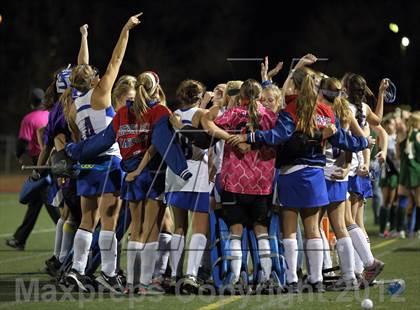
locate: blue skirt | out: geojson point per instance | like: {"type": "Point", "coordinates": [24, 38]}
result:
{"type": "Point", "coordinates": [192, 201]}
{"type": "Point", "coordinates": [96, 183]}
{"type": "Point", "coordinates": [337, 191]}
{"type": "Point", "coordinates": [361, 186]}
{"type": "Point", "coordinates": [145, 186]}
{"type": "Point", "coordinates": [304, 188]}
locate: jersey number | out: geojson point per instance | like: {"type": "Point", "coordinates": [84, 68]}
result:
{"type": "Point", "coordinates": [89, 131]}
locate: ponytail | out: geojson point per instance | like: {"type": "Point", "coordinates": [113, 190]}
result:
{"type": "Point", "coordinates": [51, 96]}
{"type": "Point", "coordinates": [254, 115]}
{"type": "Point", "coordinates": [342, 110]}
{"type": "Point", "coordinates": [305, 106]}
{"type": "Point", "coordinates": [249, 92]}
{"type": "Point", "coordinates": [148, 90]}
{"type": "Point", "coordinates": [66, 100]}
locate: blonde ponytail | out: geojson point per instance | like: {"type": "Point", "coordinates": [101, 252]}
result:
{"type": "Point", "coordinates": [305, 106]}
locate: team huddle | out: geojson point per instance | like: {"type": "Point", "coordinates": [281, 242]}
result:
{"type": "Point", "coordinates": [245, 149]}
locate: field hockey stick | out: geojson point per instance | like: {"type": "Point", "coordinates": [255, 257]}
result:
{"type": "Point", "coordinates": [95, 167]}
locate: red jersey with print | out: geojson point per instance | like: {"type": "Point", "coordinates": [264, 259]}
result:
{"type": "Point", "coordinates": [133, 136]}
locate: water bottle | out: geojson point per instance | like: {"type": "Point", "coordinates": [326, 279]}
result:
{"type": "Point", "coordinates": [396, 287]}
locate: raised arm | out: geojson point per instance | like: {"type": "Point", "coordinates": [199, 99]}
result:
{"type": "Point", "coordinates": [379, 109]}
{"type": "Point", "coordinates": [268, 75]}
{"type": "Point", "coordinates": [101, 96]}
{"type": "Point", "coordinates": [308, 59]}
{"type": "Point", "coordinates": [83, 56]}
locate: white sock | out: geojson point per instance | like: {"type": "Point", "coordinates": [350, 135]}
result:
{"type": "Point", "coordinates": [177, 247]}
{"type": "Point", "coordinates": [163, 254]}
{"type": "Point", "coordinates": [148, 261]}
{"type": "Point", "coordinates": [108, 245]}
{"type": "Point", "coordinates": [236, 251]}
{"type": "Point", "coordinates": [346, 255]}
{"type": "Point", "coordinates": [290, 254]}
{"type": "Point", "coordinates": [264, 253]}
{"type": "Point", "coordinates": [315, 257]}
{"type": "Point", "coordinates": [82, 242]}
{"type": "Point", "coordinates": [133, 248]}
{"type": "Point", "coordinates": [58, 237]}
{"type": "Point", "coordinates": [361, 245]}
{"type": "Point", "coordinates": [358, 264]}
{"type": "Point", "coordinates": [197, 246]}
{"type": "Point", "coordinates": [327, 263]}
{"type": "Point", "coordinates": [69, 230]}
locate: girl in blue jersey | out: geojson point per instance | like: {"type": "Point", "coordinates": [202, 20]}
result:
{"type": "Point", "coordinates": [359, 185]}
{"type": "Point", "coordinates": [193, 195]}
{"type": "Point", "coordinates": [55, 136]}
{"type": "Point", "coordinates": [141, 129]}
{"type": "Point", "coordinates": [301, 183]}
{"type": "Point", "coordinates": [88, 110]}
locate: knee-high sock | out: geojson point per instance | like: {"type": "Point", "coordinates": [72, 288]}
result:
{"type": "Point", "coordinates": [164, 249]}
{"type": "Point", "coordinates": [327, 262]}
{"type": "Point", "coordinates": [314, 251]}
{"type": "Point", "coordinates": [69, 230]}
{"type": "Point", "coordinates": [290, 254]}
{"type": "Point", "coordinates": [346, 255]}
{"type": "Point", "coordinates": [236, 252]}
{"type": "Point", "coordinates": [361, 245]}
{"type": "Point", "coordinates": [148, 261]}
{"type": "Point", "coordinates": [197, 246]}
{"type": "Point", "coordinates": [383, 218]}
{"type": "Point", "coordinates": [82, 242]}
{"type": "Point", "coordinates": [58, 237]}
{"type": "Point", "coordinates": [358, 264]}
{"type": "Point", "coordinates": [264, 252]}
{"type": "Point", "coordinates": [177, 247]}
{"type": "Point", "coordinates": [133, 248]}
{"type": "Point", "coordinates": [108, 245]}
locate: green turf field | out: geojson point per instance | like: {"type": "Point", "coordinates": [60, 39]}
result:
{"type": "Point", "coordinates": [402, 259]}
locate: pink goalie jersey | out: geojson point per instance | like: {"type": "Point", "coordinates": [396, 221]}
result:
{"type": "Point", "coordinates": [250, 173]}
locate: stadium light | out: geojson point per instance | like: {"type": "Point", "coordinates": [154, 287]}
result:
{"type": "Point", "coordinates": [393, 27]}
{"type": "Point", "coordinates": [405, 41]}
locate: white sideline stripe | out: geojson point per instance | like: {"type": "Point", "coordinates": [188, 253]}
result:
{"type": "Point", "coordinates": [39, 231]}
{"type": "Point", "coordinates": [11, 260]}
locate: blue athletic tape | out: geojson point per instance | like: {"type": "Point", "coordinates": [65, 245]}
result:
{"type": "Point", "coordinates": [91, 167]}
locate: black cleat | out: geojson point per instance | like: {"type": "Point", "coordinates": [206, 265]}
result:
{"type": "Point", "coordinates": [52, 266]}
{"type": "Point", "coordinates": [317, 287]}
{"type": "Point", "coordinates": [78, 281]}
{"type": "Point", "coordinates": [113, 284]}
{"type": "Point", "coordinates": [13, 243]}
{"type": "Point", "coordinates": [291, 288]}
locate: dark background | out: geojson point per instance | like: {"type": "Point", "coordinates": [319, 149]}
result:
{"type": "Point", "coordinates": [192, 39]}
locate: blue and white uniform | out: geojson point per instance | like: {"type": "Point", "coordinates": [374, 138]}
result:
{"type": "Point", "coordinates": [193, 194]}
{"type": "Point", "coordinates": [357, 184]}
{"type": "Point", "coordinates": [90, 122]}
{"type": "Point", "coordinates": [337, 189]}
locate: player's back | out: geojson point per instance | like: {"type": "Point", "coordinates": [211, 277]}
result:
{"type": "Point", "coordinates": [91, 122]}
